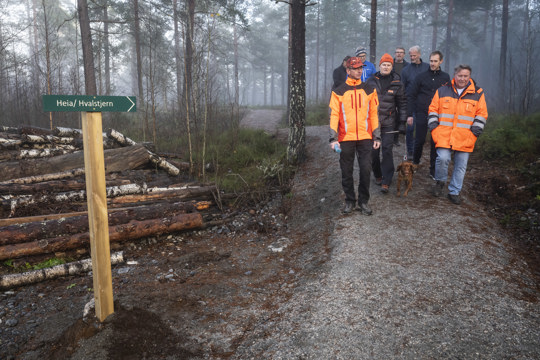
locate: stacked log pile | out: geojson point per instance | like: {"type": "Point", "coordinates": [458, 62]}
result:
{"type": "Point", "coordinates": [43, 192]}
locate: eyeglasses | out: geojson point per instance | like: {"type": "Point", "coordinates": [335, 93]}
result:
{"type": "Point", "coordinates": [400, 52]}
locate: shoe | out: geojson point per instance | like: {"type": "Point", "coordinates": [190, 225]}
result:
{"type": "Point", "coordinates": [365, 209]}
{"type": "Point", "coordinates": [454, 199]}
{"type": "Point", "coordinates": [437, 188]}
{"type": "Point", "coordinates": [348, 208]}
{"type": "Point", "coordinates": [384, 189]}
{"type": "Point", "coordinates": [378, 181]}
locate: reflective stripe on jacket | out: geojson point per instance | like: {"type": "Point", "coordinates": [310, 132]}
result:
{"type": "Point", "coordinates": [456, 115]}
{"type": "Point", "coordinates": [354, 106]}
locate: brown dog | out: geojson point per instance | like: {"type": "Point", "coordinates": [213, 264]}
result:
{"type": "Point", "coordinates": [405, 172]}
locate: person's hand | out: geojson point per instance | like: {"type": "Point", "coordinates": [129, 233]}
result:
{"type": "Point", "coordinates": [410, 121]}
{"type": "Point", "coordinates": [376, 144]}
{"type": "Point", "coordinates": [476, 130]}
{"type": "Point", "coordinates": [432, 125]}
{"type": "Point", "coordinates": [333, 145]}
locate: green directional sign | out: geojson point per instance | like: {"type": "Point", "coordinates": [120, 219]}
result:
{"type": "Point", "coordinates": [89, 103]}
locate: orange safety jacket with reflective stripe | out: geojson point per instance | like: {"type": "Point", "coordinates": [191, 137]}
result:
{"type": "Point", "coordinates": [354, 106]}
{"type": "Point", "coordinates": [456, 115]}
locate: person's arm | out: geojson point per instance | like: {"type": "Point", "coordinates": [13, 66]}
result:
{"type": "Point", "coordinates": [373, 117]}
{"type": "Point", "coordinates": [401, 104]}
{"type": "Point", "coordinates": [480, 117]}
{"type": "Point", "coordinates": [334, 119]}
{"type": "Point", "coordinates": [433, 115]}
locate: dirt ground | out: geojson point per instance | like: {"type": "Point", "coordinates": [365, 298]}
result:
{"type": "Point", "coordinates": [208, 293]}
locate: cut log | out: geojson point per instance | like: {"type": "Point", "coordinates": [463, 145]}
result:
{"type": "Point", "coordinates": [115, 160]}
{"type": "Point", "coordinates": [120, 138]}
{"type": "Point", "coordinates": [131, 231]}
{"type": "Point", "coordinates": [46, 177]}
{"type": "Point", "coordinates": [15, 202]}
{"type": "Point", "coordinates": [45, 139]}
{"type": "Point", "coordinates": [202, 192]}
{"type": "Point", "coordinates": [43, 153]}
{"type": "Point", "coordinates": [73, 268]}
{"type": "Point", "coordinates": [163, 164]}
{"type": "Point", "coordinates": [67, 132]}
{"type": "Point", "coordinates": [26, 232]}
{"type": "Point", "coordinates": [52, 186]}
{"type": "Point", "coordinates": [33, 130]}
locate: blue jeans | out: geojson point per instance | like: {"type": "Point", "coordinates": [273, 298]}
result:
{"type": "Point", "coordinates": [460, 166]}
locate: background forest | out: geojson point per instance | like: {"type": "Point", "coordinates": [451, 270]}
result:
{"type": "Point", "coordinates": [194, 65]}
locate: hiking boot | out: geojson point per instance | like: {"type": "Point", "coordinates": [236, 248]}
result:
{"type": "Point", "coordinates": [365, 209]}
{"type": "Point", "coordinates": [384, 189]}
{"type": "Point", "coordinates": [348, 208]}
{"type": "Point", "coordinates": [437, 188]}
{"type": "Point", "coordinates": [454, 199]}
{"type": "Point", "coordinates": [378, 180]}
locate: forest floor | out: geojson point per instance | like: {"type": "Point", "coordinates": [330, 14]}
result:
{"type": "Point", "coordinates": [295, 279]}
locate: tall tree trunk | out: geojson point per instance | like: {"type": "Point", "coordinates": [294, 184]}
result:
{"type": "Point", "coordinates": [435, 26]}
{"type": "Point", "coordinates": [449, 24]}
{"type": "Point", "coordinates": [48, 55]}
{"type": "Point", "coordinates": [88, 53]}
{"type": "Point", "coordinates": [177, 57]}
{"type": "Point", "coordinates": [297, 113]}
{"type": "Point", "coordinates": [106, 48]}
{"type": "Point", "coordinates": [528, 43]}
{"type": "Point", "coordinates": [138, 52]}
{"type": "Point", "coordinates": [317, 46]}
{"type": "Point", "coordinates": [373, 32]}
{"type": "Point", "coordinates": [399, 31]}
{"type": "Point", "coordinates": [504, 48]}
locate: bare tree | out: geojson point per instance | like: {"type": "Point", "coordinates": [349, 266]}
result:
{"type": "Point", "coordinates": [504, 49]}
{"type": "Point", "coordinates": [373, 33]}
{"type": "Point", "coordinates": [297, 80]}
{"type": "Point", "coordinates": [435, 25]}
{"type": "Point", "coordinates": [449, 24]}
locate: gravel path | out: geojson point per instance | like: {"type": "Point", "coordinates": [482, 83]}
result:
{"type": "Point", "coordinates": [420, 279]}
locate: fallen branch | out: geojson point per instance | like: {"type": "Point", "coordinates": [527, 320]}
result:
{"type": "Point", "coordinates": [73, 268]}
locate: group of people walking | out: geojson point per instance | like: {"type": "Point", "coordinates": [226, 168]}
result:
{"type": "Point", "coordinates": [369, 109]}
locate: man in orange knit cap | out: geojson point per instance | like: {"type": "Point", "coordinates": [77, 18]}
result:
{"type": "Point", "coordinates": [354, 128]}
{"type": "Point", "coordinates": [392, 101]}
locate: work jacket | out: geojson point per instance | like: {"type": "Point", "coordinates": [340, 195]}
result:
{"type": "Point", "coordinates": [456, 115]}
{"type": "Point", "coordinates": [392, 100]}
{"type": "Point", "coordinates": [409, 73]}
{"type": "Point", "coordinates": [354, 112]}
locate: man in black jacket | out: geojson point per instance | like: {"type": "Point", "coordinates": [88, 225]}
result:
{"type": "Point", "coordinates": [340, 73]}
{"type": "Point", "coordinates": [392, 101]}
{"type": "Point", "coordinates": [419, 98]}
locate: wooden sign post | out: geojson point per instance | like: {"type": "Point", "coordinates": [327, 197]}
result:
{"type": "Point", "coordinates": [96, 194]}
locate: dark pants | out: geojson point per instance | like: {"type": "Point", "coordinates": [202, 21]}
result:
{"type": "Point", "coordinates": [384, 168]}
{"type": "Point", "coordinates": [419, 141]}
{"type": "Point", "coordinates": [362, 150]}
{"type": "Point", "coordinates": [409, 137]}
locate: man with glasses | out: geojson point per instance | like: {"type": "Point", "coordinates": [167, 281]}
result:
{"type": "Point", "coordinates": [399, 60]}
{"type": "Point", "coordinates": [354, 129]}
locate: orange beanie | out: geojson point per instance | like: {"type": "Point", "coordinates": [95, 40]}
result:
{"type": "Point", "coordinates": [386, 58]}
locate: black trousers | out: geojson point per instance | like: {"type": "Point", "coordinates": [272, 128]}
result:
{"type": "Point", "coordinates": [360, 149]}
{"type": "Point", "coordinates": [384, 168]}
{"type": "Point", "coordinates": [419, 141]}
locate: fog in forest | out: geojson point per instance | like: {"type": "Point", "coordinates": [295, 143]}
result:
{"type": "Point", "coordinates": [192, 60]}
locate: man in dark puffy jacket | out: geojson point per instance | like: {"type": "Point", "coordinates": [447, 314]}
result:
{"type": "Point", "coordinates": [420, 95]}
{"type": "Point", "coordinates": [340, 73]}
{"type": "Point", "coordinates": [392, 100]}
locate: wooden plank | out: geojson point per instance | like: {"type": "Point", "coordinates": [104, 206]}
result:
{"type": "Point", "coordinates": [94, 162]}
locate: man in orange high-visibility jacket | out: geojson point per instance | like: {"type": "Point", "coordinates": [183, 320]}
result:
{"type": "Point", "coordinates": [354, 128]}
{"type": "Point", "coordinates": [457, 116]}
